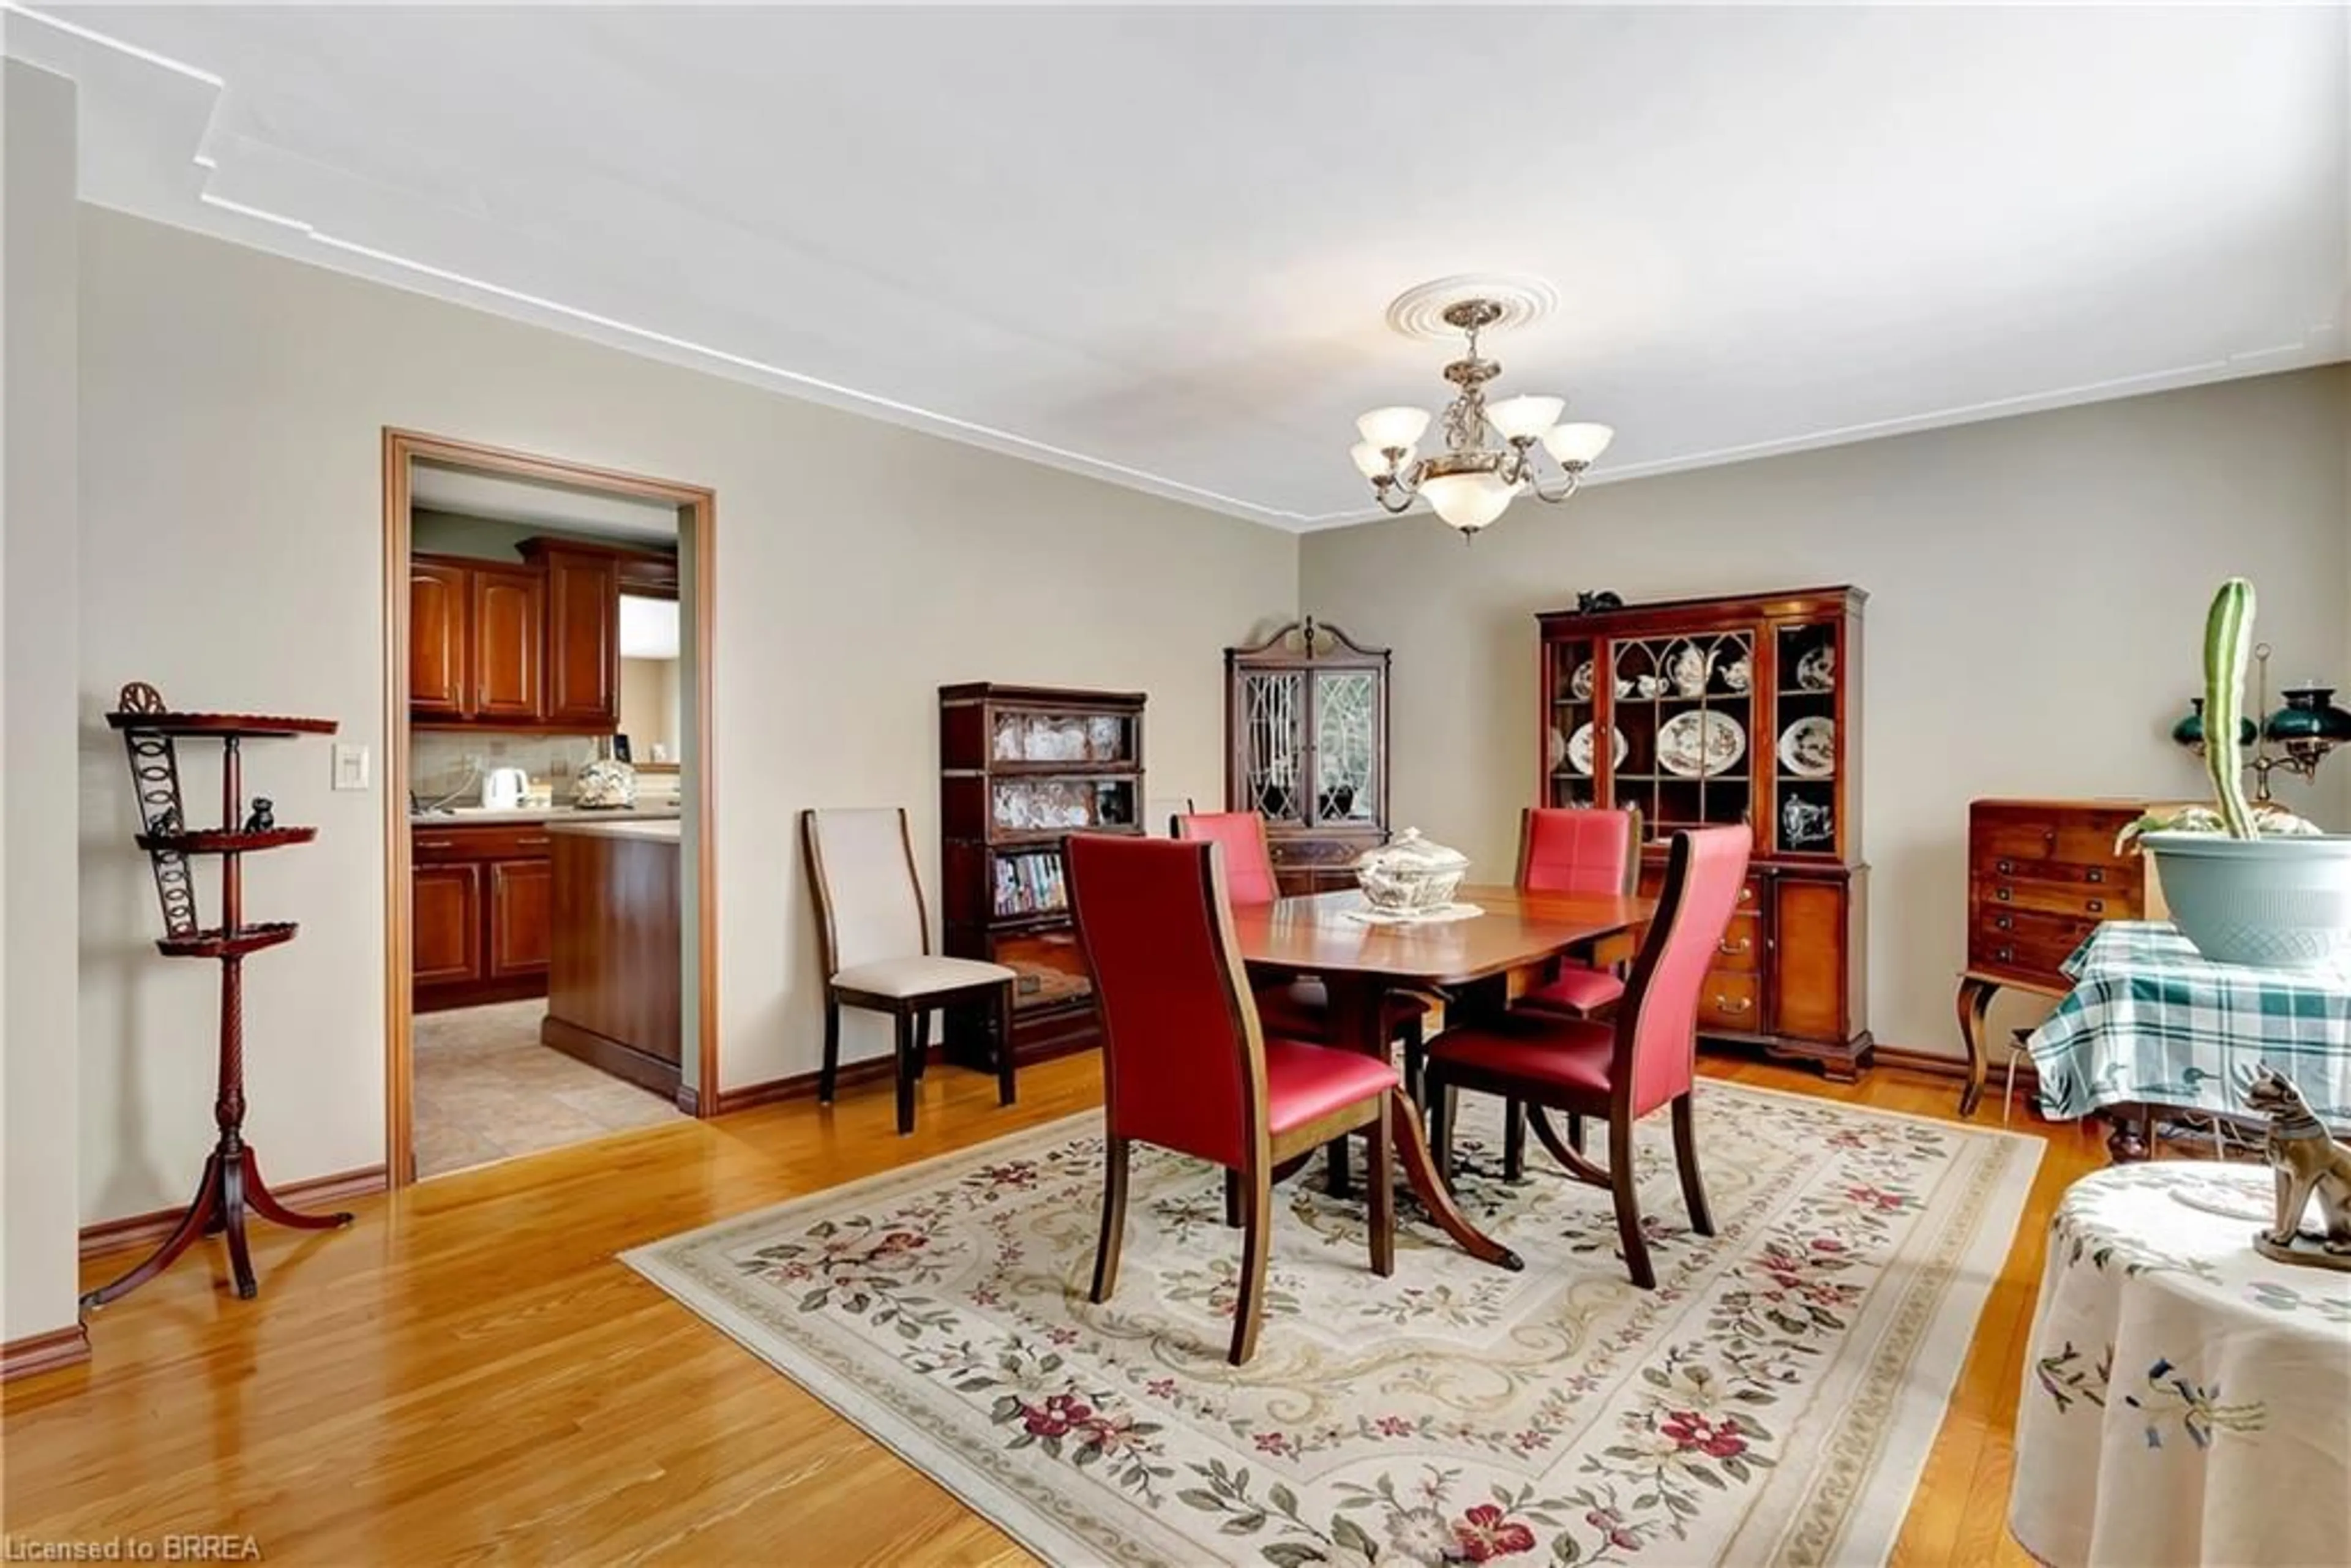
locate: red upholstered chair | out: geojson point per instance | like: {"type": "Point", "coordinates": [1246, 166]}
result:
{"type": "Point", "coordinates": [1297, 1008]}
{"type": "Point", "coordinates": [1582, 850]}
{"type": "Point", "coordinates": [1186, 1064]}
{"type": "Point", "coordinates": [1586, 851]}
{"type": "Point", "coordinates": [1625, 1068]}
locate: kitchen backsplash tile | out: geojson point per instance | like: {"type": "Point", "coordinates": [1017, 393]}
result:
{"type": "Point", "coordinates": [441, 762]}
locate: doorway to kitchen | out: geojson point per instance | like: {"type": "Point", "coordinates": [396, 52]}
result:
{"type": "Point", "coordinates": [549, 957]}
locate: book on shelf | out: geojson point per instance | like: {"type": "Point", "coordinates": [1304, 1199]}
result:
{"type": "Point", "coordinates": [1031, 884]}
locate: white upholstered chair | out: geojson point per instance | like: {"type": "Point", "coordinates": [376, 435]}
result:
{"type": "Point", "coordinates": [876, 942]}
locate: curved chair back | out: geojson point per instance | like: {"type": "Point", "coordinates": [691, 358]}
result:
{"type": "Point", "coordinates": [1183, 1057]}
{"type": "Point", "coordinates": [1583, 849]}
{"type": "Point", "coordinates": [1656, 1023]}
{"type": "Point", "coordinates": [860, 866]}
{"type": "Point", "coordinates": [1249, 864]}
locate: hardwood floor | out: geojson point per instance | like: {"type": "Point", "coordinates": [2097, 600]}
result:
{"type": "Point", "coordinates": [468, 1376]}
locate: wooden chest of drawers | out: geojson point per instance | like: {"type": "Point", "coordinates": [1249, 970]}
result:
{"type": "Point", "coordinates": [2042, 875]}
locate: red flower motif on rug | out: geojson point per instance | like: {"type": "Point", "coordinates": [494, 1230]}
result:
{"type": "Point", "coordinates": [1485, 1534]}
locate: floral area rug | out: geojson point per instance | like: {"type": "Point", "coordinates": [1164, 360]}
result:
{"type": "Point", "coordinates": [1772, 1402]}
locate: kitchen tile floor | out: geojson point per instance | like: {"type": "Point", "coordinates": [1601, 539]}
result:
{"type": "Point", "coordinates": [486, 1090]}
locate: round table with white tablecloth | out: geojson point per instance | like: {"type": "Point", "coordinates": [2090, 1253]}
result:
{"type": "Point", "coordinates": [2186, 1400]}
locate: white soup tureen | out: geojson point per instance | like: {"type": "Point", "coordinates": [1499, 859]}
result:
{"type": "Point", "coordinates": [1410, 874]}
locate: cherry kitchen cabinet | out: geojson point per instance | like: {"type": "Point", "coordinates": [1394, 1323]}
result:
{"type": "Point", "coordinates": [509, 645]}
{"type": "Point", "coordinates": [527, 646]}
{"type": "Point", "coordinates": [445, 948]}
{"type": "Point", "coordinates": [484, 908]}
{"type": "Point", "coordinates": [520, 893]}
{"type": "Point", "coordinates": [583, 635]}
{"type": "Point", "coordinates": [440, 639]}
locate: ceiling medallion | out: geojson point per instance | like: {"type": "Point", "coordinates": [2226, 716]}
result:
{"type": "Point", "coordinates": [1489, 458]}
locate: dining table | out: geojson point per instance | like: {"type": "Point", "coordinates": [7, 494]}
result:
{"type": "Point", "coordinates": [1364, 961]}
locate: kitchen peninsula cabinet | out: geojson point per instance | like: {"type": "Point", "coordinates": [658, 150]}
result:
{"type": "Point", "coordinates": [616, 992]}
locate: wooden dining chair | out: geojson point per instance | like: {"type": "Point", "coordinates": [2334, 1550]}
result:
{"type": "Point", "coordinates": [1186, 1063]}
{"type": "Point", "coordinates": [1578, 850]}
{"type": "Point", "coordinates": [1622, 1069]}
{"type": "Point", "coordinates": [875, 938]}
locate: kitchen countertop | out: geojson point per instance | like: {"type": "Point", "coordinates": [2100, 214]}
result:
{"type": "Point", "coordinates": [527, 816]}
{"type": "Point", "coordinates": [656, 830]}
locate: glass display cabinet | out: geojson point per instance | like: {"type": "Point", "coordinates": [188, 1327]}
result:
{"type": "Point", "coordinates": [1746, 711]}
{"type": "Point", "coordinates": [1021, 768]}
{"type": "Point", "coordinates": [1306, 734]}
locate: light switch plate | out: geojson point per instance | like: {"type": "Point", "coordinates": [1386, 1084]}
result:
{"type": "Point", "coordinates": [350, 766]}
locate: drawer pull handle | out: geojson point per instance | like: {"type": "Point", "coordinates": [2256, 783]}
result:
{"type": "Point", "coordinates": [1746, 895]}
{"type": "Point", "coordinates": [2006, 867]}
{"type": "Point", "coordinates": [2006, 955]}
{"type": "Point", "coordinates": [2001, 893]}
{"type": "Point", "coordinates": [1723, 1004]}
{"type": "Point", "coordinates": [1732, 949]}
{"type": "Point", "coordinates": [436, 845]}
{"type": "Point", "coordinates": [2005, 922]}
{"type": "Point", "coordinates": [2095, 874]}
{"type": "Point", "coordinates": [527, 844]}
{"type": "Point", "coordinates": [2048, 836]}
{"type": "Point", "coordinates": [2096, 905]}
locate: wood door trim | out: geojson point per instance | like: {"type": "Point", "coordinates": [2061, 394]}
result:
{"type": "Point", "coordinates": [402, 448]}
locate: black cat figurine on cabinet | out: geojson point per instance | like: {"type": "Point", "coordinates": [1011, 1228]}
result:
{"type": "Point", "coordinates": [1599, 598]}
{"type": "Point", "coordinates": [262, 817]}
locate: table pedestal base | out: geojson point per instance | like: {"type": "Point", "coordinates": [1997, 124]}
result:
{"type": "Point", "coordinates": [1359, 1019]}
{"type": "Point", "coordinates": [232, 1183]}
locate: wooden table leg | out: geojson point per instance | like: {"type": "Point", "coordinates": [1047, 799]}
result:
{"type": "Point", "coordinates": [1975, 1000]}
{"type": "Point", "coordinates": [2133, 1134]}
{"type": "Point", "coordinates": [1358, 1019]}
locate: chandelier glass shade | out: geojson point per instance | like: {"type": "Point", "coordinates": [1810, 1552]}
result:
{"type": "Point", "coordinates": [1487, 460]}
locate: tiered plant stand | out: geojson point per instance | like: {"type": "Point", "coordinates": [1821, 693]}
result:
{"type": "Point", "coordinates": [232, 1180]}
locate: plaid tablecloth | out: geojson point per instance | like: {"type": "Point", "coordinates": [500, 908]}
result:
{"type": "Point", "coordinates": [2152, 1022]}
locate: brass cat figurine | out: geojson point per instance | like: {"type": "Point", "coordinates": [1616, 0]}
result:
{"type": "Point", "coordinates": [2309, 1165]}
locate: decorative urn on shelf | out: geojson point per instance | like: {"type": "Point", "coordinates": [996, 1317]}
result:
{"type": "Point", "coordinates": [1410, 874]}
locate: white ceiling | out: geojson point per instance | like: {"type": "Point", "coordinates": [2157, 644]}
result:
{"type": "Point", "coordinates": [502, 497]}
{"type": "Point", "coordinates": [1156, 245]}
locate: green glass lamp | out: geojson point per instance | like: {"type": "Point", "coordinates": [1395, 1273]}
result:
{"type": "Point", "coordinates": [2189, 731]}
{"type": "Point", "coordinates": [2302, 732]}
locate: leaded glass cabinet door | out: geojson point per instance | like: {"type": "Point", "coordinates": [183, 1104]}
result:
{"type": "Point", "coordinates": [1307, 731]}
{"type": "Point", "coordinates": [1272, 745]}
{"type": "Point", "coordinates": [1348, 724]}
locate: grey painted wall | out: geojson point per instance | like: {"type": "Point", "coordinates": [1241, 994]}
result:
{"type": "Point", "coordinates": [232, 405]}
{"type": "Point", "coordinates": [2037, 592]}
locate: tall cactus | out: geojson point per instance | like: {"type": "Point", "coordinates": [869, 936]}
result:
{"type": "Point", "coordinates": [2228, 644]}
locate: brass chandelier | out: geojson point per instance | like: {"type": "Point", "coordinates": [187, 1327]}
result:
{"type": "Point", "coordinates": [1488, 458]}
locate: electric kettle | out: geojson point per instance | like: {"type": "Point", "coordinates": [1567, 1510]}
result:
{"type": "Point", "coordinates": [502, 788]}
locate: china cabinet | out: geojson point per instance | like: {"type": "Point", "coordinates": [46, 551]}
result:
{"type": "Point", "coordinates": [1742, 710]}
{"type": "Point", "coordinates": [1020, 768]}
{"type": "Point", "coordinates": [1306, 741]}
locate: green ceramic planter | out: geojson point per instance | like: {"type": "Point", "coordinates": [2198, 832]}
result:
{"type": "Point", "coordinates": [2280, 903]}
